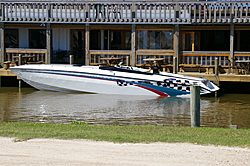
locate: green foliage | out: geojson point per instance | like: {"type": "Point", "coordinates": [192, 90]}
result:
{"type": "Point", "coordinates": [130, 134]}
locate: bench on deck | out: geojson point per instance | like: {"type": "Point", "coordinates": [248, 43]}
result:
{"type": "Point", "coordinates": [39, 62]}
{"type": "Point", "coordinates": [209, 69]}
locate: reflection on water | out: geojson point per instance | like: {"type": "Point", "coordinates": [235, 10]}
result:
{"type": "Point", "coordinates": [30, 105]}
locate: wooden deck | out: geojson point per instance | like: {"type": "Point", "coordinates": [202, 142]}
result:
{"type": "Point", "coordinates": [4, 72]}
{"type": "Point", "coordinates": [211, 77]}
{"type": "Point", "coordinates": [221, 77]}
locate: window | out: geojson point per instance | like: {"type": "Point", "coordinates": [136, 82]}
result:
{"type": "Point", "coordinates": [155, 39]}
{"type": "Point", "coordinates": [120, 40]}
{"type": "Point", "coordinates": [11, 38]}
{"type": "Point", "coordinates": [37, 38]}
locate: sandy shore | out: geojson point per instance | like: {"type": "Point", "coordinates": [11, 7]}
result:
{"type": "Point", "coordinates": [84, 152]}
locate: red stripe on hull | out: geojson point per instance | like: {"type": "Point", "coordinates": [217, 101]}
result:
{"type": "Point", "coordinates": [153, 90]}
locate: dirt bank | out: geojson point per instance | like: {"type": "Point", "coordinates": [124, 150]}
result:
{"type": "Point", "coordinates": [85, 152]}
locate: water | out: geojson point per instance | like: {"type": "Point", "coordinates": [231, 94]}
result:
{"type": "Point", "coordinates": [30, 105]}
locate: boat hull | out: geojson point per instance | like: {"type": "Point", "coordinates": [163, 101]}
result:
{"type": "Point", "coordinates": [92, 79]}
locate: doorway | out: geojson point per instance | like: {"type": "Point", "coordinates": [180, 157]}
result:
{"type": "Point", "coordinates": [78, 46]}
{"type": "Point", "coordinates": [190, 41]}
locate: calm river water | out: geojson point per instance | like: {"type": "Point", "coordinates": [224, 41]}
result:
{"type": "Point", "coordinates": [30, 105]}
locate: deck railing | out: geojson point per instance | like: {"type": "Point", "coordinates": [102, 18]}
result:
{"type": "Point", "coordinates": [142, 56]}
{"type": "Point", "coordinates": [98, 57]}
{"type": "Point", "coordinates": [28, 55]}
{"type": "Point", "coordinates": [205, 58]}
{"type": "Point", "coordinates": [126, 12]}
{"type": "Point", "coordinates": [242, 56]}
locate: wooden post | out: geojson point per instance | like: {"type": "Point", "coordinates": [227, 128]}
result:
{"type": "Point", "coordinates": [133, 47]}
{"type": "Point", "coordinates": [20, 59]}
{"type": "Point", "coordinates": [231, 48]}
{"type": "Point", "coordinates": [195, 106]}
{"type": "Point", "coordinates": [71, 59]}
{"type": "Point", "coordinates": [87, 44]}
{"type": "Point", "coordinates": [174, 65]}
{"type": "Point", "coordinates": [2, 43]}
{"type": "Point", "coordinates": [216, 69]}
{"type": "Point", "coordinates": [176, 49]}
{"type": "Point", "coordinates": [48, 44]}
{"type": "Point", "coordinates": [20, 83]}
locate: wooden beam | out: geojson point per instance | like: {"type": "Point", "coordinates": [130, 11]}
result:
{"type": "Point", "coordinates": [48, 44]}
{"type": "Point", "coordinates": [37, 26]}
{"type": "Point", "coordinates": [2, 43]}
{"type": "Point", "coordinates": [110, 52]}
{"type": "Point", "coordinates": [154, 52]}
{"type": "Point", "coordinates": [193, 28]}
{"type": "Point", "coordinates": [133, 46]}
{"type": "Point", "coordinates": [87, 38]}
{"type": "Point", "coordinates": [71, 26]}
{"type": "Point", "coordinates": [176, 48]}
{"type": "Point", "coordinates": [242, 27]}
{"type": "Point", "coordinates": [23, 25]}
{"type": "Point", "coordinates": [197, 54]}
{"type": "Point", "coordinates": [154, 27]}
{"type": "Point", "coordinates": [25, 50]}
{"type": "Point", "coordinates": [231, 47]}
{"type": "Point", "coordinates": [110, 27]}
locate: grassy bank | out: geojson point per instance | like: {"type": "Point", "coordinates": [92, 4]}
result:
{"type": "Point", "coordinates": [131, 134]}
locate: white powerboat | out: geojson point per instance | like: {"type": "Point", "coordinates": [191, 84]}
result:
{"type": "Point", "coordinates": [122, 80]}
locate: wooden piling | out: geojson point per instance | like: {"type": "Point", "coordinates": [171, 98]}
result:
{"type": "Point", "coordinates": [71, 59]}
{"type": "Point", "coordinates": [195, 106]}
{"type": "Point", "coordinates": [20, 83]}
{"type": "Point", "coordinates": [175, 65]}
{"type": "Point", "coordinates": [216, 74]}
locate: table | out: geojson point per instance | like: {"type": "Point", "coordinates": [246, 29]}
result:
{"type": "Point", "coordinates": [245, 64]}
{"type": "Point", "coordinates": [25, 58]}
{"type": "Point", "coordinates": [110, 61]}
{"type": "Point", "coordinates": [154, 59]}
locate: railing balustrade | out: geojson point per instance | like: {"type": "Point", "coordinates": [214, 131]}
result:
{"type": "Point", "coordinates": [206, 58]}
{"type": "Point", "coordinates": [141, 56]}
{"type": "Point", "coordinates": [126, 12]}
{"type": "Point", "coordinates": [98, 57]}
{"type": "Point", "coordinates": [242, 56]}
{"type": "Point", "coordinates": [31, 55]}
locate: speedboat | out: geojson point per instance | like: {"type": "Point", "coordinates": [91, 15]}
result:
{"type": "Point", "coordinates": [118, 79]}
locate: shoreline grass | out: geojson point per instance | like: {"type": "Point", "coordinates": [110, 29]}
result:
{"type": "Point", "coordinates": [128, 134]}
